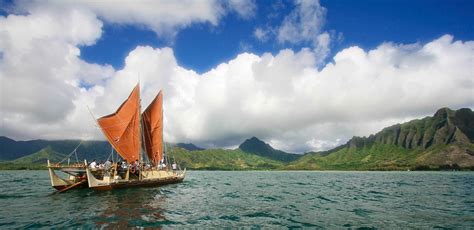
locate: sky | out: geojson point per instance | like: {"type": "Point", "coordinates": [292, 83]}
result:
{"type": "Point", "coordinates": [302, 75]}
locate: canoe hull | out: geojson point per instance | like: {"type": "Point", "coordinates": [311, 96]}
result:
{"type": "Point", "coordinates": [149, 178]}
{"type": "Point", "coordinates": [131, 184]}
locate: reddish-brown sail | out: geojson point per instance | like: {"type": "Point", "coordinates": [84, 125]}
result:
{"type": "Point", "coordinates": [122, 127]}
{"type": "Point", "coordinates": [152, 125]}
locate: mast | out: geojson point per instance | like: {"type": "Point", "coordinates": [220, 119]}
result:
{"type": "Point", "coordinates": [162, 126]}
{"type": "Point", "coordinates": [142, 132]}
{"type": "Point", "coordinates": [140, 151]}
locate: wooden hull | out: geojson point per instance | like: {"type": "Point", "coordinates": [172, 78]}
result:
{"type": "Point", "coordinates": [125, 184]}
{"type": "Point", "coordinates": [130, 184]}
{"type": "Point", "coordinates": [75, 173]}
{"type": "Point", "coordinates": [149, 178]}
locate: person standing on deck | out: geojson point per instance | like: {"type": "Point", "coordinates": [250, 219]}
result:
{"type": "Point", "coordinates": [93, 164]}
{"type": "Point", "coordinates": [107, 166]}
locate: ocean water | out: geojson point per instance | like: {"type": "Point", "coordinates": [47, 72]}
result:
{"type": "Point", "coordinates": [248, 200]}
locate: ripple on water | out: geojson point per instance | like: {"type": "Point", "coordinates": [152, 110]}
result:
{"type": "Point", "coordinates": [362, 212]}
{"type": "Point", "coordinates": [290, 206]}
{"type": "Point", "coordinates": [377, 192]}
{"type": "Point", "coordinates": [302, 224]}
{"type": "Point", "coordinates": [261, 214]}
{"type": "Point", "coordinates": [260, 185]}
{"type": "Point", "coordinates": [19, 180]}
{"type": "Point", "coordinates": [8, 196]}
{"type": "Point", "coordinates": [230, 217]}
{"type": "Point", "coordinates": [300, 183]}
{"type": "Point", "coordinates": [267, 198]}
{"type": "Point", "coordinates": [325, 199]}
{"type": "Point", "coordinates": [231, 195]}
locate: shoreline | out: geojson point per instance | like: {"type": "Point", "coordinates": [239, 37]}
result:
{"type": "Point", "coordinates": [284, 170]}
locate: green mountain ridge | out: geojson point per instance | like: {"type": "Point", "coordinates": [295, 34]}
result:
{"type": "Point", "coordinates": [223, 159]}
{"type": "Point", "coordinates": [11, 149]}
{"type": "Point", "coordinates": [445, 127]}
{"type": "Point", "coordinates": [41, 157]}
{"type": "Point", "coordinates": [37, 160]}
{"type": "Point", "coordinates": [443, 141]}
{"type": "Point", "coordinates": [258, 147]}
{"type": "Point", "coordinates": [189, 146]}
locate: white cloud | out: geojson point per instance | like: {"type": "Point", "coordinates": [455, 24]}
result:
{"type": "Point", "coordinates": [283, 98]}
{"type": "Point", "coordinates": [40, 71]}
{"type": "Point", "coordinates": [321, 46]}
{"type": "Point", "coordinates": [40, 55]}
{"type": "Point", "coordinates": [303, 25]}
{"type": "Point", "coordinates": [261, 34]}
{"type": "Point", "coordinates": [163, 17]}
{"type": "Point", "coordinates": [245, 8]}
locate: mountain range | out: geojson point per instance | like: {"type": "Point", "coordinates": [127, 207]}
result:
{"type": "Point", "coordinates": [443, 141]}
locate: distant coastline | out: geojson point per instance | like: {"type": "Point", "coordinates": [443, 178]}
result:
{"type": "Point", "coordinates": [8, 166]}
{"type": "Point", "coordinates": [444, 141]}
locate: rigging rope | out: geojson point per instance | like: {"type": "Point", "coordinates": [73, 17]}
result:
{"type": "Point", "coordinates": [111, 155]}
{"type": "Point", "coordinates": [70, 154]}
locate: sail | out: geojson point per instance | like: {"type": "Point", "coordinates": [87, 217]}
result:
{"type": "Point", "coordinates": [122, 128]}
{"type": "Point", "coordinates": [152, 125]}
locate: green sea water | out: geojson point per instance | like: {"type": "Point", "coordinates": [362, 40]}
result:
{"type": "Point", "coordinates": [251, 199]}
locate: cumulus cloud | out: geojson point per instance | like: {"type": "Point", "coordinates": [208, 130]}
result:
{"type": "Point", "coordinates": [40, 69]}
{"type": "Point", "coordinates": [39, 54]}
{"type": "Point", "coordinates": [165, 18]}
{"type": "Point", "coordinates": [42, 76]}
{"type": "Point", "coordinates": [284, 98]}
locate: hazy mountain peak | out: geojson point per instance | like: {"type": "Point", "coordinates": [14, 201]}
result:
{"type": "Point", "coordinates": [443, 113]}
{"type": "Point", "coordinates": [258, 147]}
{"type": "Point", "coordinates": [253, 140]}
{"type": "Point", "coordinates": [189, 146]}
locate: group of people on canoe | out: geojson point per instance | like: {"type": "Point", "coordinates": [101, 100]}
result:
{"type": "Point", "coordinates": [122, 167]}
{"type": "Point", "coordinates": [101, 165]}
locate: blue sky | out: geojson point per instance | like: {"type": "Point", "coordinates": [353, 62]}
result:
{"type": "Point", "coordinates": [363, 23]}
{"type": "Point", "coordinates": [302, 75]}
